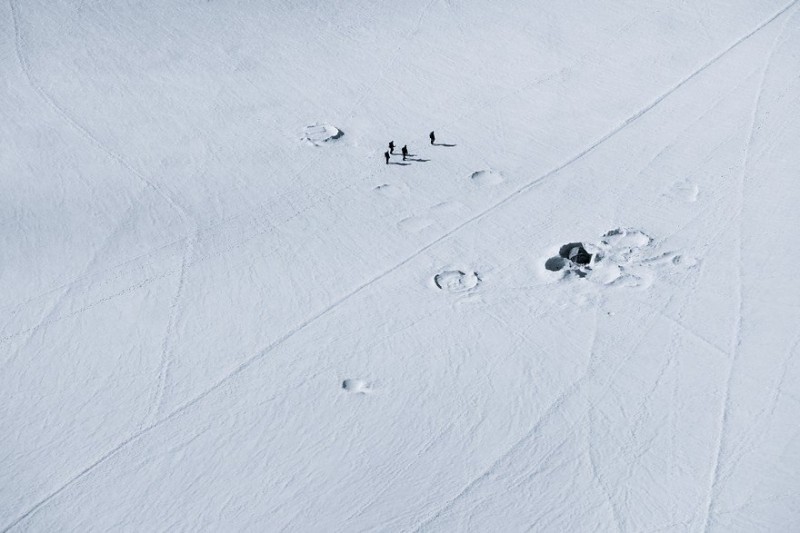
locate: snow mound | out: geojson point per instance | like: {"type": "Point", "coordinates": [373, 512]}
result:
{"type": "Point", "coordinates": [623, 257]}
{"type": "Point", "coordinates": [456, 280]}
{"type": "Point", "coordinates": [625, 239]}
{"type": "Point", "coordinates": [356, 386]}
{"type": "Point", "coordinates": [484, 178]}
{"type": "Point", "coordinates": [317, 134]}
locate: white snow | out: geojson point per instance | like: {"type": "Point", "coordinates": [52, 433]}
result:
{"type": "Point", "coordinates": [221, 311]}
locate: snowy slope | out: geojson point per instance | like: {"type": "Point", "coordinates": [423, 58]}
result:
{"type": "Point", "coordinates": [213, 318]}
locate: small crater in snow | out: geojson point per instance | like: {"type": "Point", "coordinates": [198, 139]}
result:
{"type": "Point", "coordinates": [356, 386]}
{"type": "Point", "coordinates": [484, 178]}
{"type": "Point", "coordinates": [575, 253]}
{"type": "Point", "coordinates": [456, 280]}
{"type": "Point", "coordinates": [317, 134]}
{"type": "Point", "coordinates": [554, 264]}
{"type": "Point", "coordinates": [621, 238]}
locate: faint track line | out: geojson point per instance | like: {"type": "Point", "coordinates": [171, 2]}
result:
{"type": "Point", "coordinates": [23, 62]}
{"type": "Point", "coordinates": [414, 30]}
{"type": "Point", "coordinates": [687, 329]}
{"type": "Point", "coordinates": [48, 317]}
{"type": "Point", "coordinates": [615, 513]}
{"type": "Point", "coordinates": [165, 361]}
{"type": "Point", "coordinates": [395, 474]}
{"type": "Point", "coordinates": [253, 359]}
{"type": "Point", "coordinates": [571, 392]}
{"type": "Point", "coordinates": [259, 231]}
{"type": "Point", "coordinates": [116, 294]}
{"type": "Point", "coordinates": [88, 136]}
{"type": "Point", "coordinates": [736, 338]}
{"type": "Point", "coordinates": [85, 133]}
{"type": "Point", "coordinates": [604, 138]}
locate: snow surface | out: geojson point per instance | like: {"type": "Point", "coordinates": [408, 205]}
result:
{"type": "Point", "coordinates": [222, 311]}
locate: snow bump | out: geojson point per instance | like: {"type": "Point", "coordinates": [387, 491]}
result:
{"type": "Point", "coordinates": [623, 257]}
{"type": "Point", "coordinates": [456, 280]}
{"type": "Point", "coordinates": [356, 386]}
{"type": "Point", "coordinates": [318, 134]}
{"type": "Point", "coordinates": [484, 178]}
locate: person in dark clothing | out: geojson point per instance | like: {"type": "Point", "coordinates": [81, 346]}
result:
{"type": "Point", "coordinates": [391, 147]}
{"type": "Point", "coordinates": [433, 137]}
{"type": "Point", "coordinates": [405, 152]}
{"type": "Point", "coordinates": [386, 155]}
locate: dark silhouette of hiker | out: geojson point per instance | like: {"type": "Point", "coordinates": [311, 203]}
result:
{"type": "Point", "coordinates": [391, 147]}
{"type": "Point", "coordinates": [386, 155]}
{"type": "Point", "coordinates": [405, 152]}
{"type": "Point", "coordinates": [433, 137]}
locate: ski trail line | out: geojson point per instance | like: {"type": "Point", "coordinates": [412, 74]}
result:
{"type": "Point", "coordinates": [619, 521]}
{"type": "Point", "coordinates": [249, 362]}
{"type": "Point", "coordinates": [166, 349]}
{"type": "Point", "coordinates": [736, 337]}
{"type": "Point", "coordinates": [85, 133]}
{"type": "Point", "coordinates": [556, 406]}
{"type": "Point", "coordinates": [65, 292]}
{"type": "Point", "coordinates": [262, 229]}
{"type": "Point", "coordinates": [395, 54]}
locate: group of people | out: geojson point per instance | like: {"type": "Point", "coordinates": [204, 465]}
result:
{"type": "Point", "coordinates": [404, 149]}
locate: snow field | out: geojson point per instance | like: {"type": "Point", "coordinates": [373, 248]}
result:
{"type": "Point", "coordinates": [223, 311]}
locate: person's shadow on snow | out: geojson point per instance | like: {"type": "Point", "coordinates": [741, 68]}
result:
{"type": "Point", "coordinates": [444, 144]}
{"type": "Point", "coordinates": [401, 164]}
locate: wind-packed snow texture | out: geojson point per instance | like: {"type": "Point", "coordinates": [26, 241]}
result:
{"type": "Point", "coordinates": [222, 311]}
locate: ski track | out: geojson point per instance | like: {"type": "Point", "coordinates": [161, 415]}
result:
{"type": "Point", "coordinates": [249, 362]}
{"type": "Point", "coordinates": [427, 446]}
{"type": "Point", "coordinates": [791, 353]}
{"type": "Point", "coordinates": [720, 351]}
{"type": "Point", "coordinates": [395, 54]}
{"type": "Point", "coordinates": [615, 512]}
{"type": "Point", "coordinates": [164, 365]}
{"type": "Point", "coordinates": [687, 127]}
{"type": "Point", "coordinates": [470, 485]}
{"type": "Point", "coordinates": [736, 336]}
{"type": "Point", "coordinates": [264, 207]}
{"type": "Point", "coordinates": [47, 318]}
{"type": "Point", "coordinates": [94, 141]}
{"type": "Point", "coordinates": [546, 416]}
{"type": "Point", "coordinates": [618, 521]}
{"type": "Point", "coordinates": [67, 118]}
{"type": "Point", "coordinates": [519, 334]}
{"type": "Point", "coordinates": [260, 229]}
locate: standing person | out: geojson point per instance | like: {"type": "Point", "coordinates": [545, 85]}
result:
{"type": "Point", "coordinates": [391, 147]}
{"type": "Point", "coordinates": [405, 152]}
{"type": "Point", "coordinates": [433, 137]}
{"type": "Point", "coordinates": [386, 155]}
